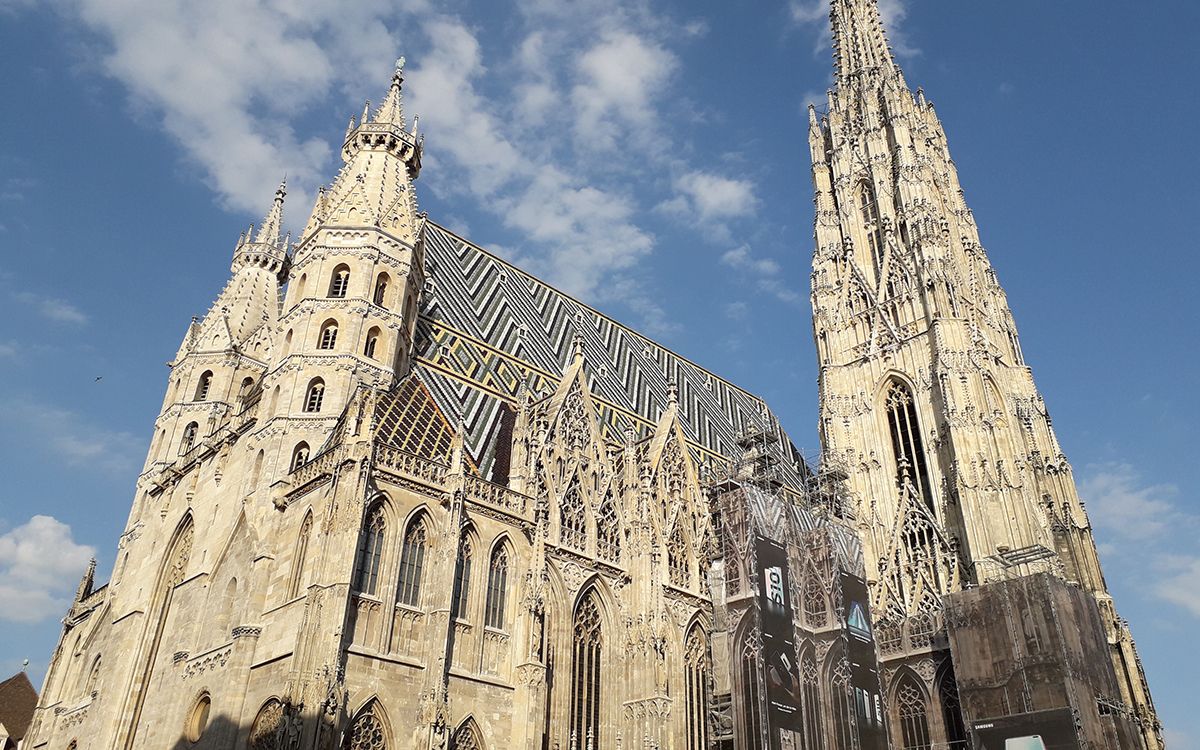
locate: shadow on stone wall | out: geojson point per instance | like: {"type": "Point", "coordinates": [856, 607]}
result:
{"type": "Point", "coordinates": [220, 733]}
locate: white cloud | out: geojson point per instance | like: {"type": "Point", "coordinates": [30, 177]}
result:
{"type": "Point", "coordinates": [226, 79]}
{"type": "Point", "coordinates": [57, 310]}
{"type": "Point", "coordinates": [765, 273]}
{"type": "Point", "coordinates": [555, 144]}
{"type": "Point", "coordinates": [620, 76]}
{"type": "Point", "coordinates": [72, 439]}
{"type": "Point", "coordinates": [1125, 508]}
{"type": "Point", "coordinates": [40, 563]}
{"type": "Point", "coordinates": [714, 198]}
{"type": "Point", "coordinates": [8, 349]}
{"type": "Point", "coordinates": [1181, 582]}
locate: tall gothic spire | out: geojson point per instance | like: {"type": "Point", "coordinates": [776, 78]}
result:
{"type": "Point", "coordinates": [860, 46]}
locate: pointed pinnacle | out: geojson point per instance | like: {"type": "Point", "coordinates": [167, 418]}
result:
{"type": "Point", "coordinates": [271, 225]}
{"type": "Point", "coordinates": [391, 110]}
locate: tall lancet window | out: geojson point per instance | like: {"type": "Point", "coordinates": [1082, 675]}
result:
{"type": "Point", "coordinates": [462, 581]}
{"type": "Point", "coordinates": [585, 676]}
{"type": "Point", "coordinates": [412, 564]}
{"type": "Point", "coordinates": [868, 211]}
{"type": "Point", "coordinates": [695, 657]}
{"type": "Point", "coordinates": [497, 591]}
{"type": "Point", "coordinates": [914, 722]}
{"type": "Point", "coordinates": [907, 446]}
{"type": "Point", "coordinates": [370, 552]}
{"type": "Point", "coordinates": [813, 732]}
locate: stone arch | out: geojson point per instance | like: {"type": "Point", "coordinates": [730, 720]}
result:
{"type": "Point", "coordinates": [910, 705]}
{"type": "Point", "coordinates": [417, 536]}
{"type": "Point", "coordinates": [696, 661]}
{"type": "Point", "coordinates": [172, 571]}
{"type": "Point", "coordinates": [300, 555]}
{"type": "Point", "coordinates": [953, 722]}
{"type": "Point", "coordinates": [501, 564]}
{"type": "Point", "coordinates": [467, 736]}
{"type": "Point", "coordinates": [368, 728]}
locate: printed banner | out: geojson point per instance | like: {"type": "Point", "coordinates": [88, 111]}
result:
{"type": "Point", "coordinates": [864, 667]}
{"type": "Point", "coordinates": [778, 640]}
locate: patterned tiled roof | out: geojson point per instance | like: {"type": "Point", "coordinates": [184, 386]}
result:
{"type": "Point", "coordinates": [486, 327]}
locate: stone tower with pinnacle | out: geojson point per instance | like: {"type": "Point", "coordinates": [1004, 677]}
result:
{"type": "Point", "coordinates": [926, 403]}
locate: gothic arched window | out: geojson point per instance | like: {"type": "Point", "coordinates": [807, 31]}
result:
{"type": "Point", "coordinates": [245, 393]}
{"type": "Point", "coordinates": [497, 592]}
{"type": "Point", "coordinates": [585, 675]}
{"type": "Point", "coordinates": [677, 559]}
{"type": "Point", "coordinates": [329, 333]}
{"type": "Point", "coordinates": [412, 563]}
{"type": "Point", "coordinates": [300, 559]}
{"type": "Point", "coordinates": [381, 285]}
{"type": "Point", "coordinates": [466, 737]}
{"type": "Point", "coordinates": [314, 396]}
{"type": "Point", "coordinates": [370, 552]}
{"type": "Point", "coordinates": [608, 532]}
{"type": "Point", "coordinates": [695, 657]}
{"type": "Point", "coordinates": [462, 581]}
{"type": "Point", "coordinates": [94, 677]}
{"type": "Point", "coordinates": [372, 343]}
{"type": "Point", "coordinates": [299, 456]}
{"type": "Point", "coordinates": [751, 693]}
{"type": "Point", "coordinates": [573, 517]}
{"type": "Point", "coordinates": [189, 437]}
{"type": "Point", "coordinates": [204, 386]}
{"type": "Point", "coordinates": [267, 728]}
{"type": "Point", "coordinates": [339, 283]}
{"type": "Point", "coordinates": [914, 720]}
{"type": "Point", "coordinates": [956, 730]}
{"type": "Point", "coordinates": [368, 731]}
{"type": "Point", "coordinates": [842, 700]}
{"type": "Point", "coordinates": [813, 735]}
{"type": "Point", "coordinates": [868, 211]}
{"type": "Point", "coordinates": [907, 446]}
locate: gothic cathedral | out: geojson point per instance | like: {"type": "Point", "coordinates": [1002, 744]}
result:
{"type": "Point", "coordinates": [402, 494]}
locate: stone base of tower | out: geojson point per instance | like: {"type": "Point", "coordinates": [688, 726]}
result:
{"type": "Point", "coordinates": [1032, 661]}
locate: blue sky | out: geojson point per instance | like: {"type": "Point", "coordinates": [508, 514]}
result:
{"type": "Point", "coordinates": [651, 158]}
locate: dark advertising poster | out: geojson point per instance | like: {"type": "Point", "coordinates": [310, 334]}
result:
{"type": "Point", "coordinates": [1039, 730]}
{"type": "Point", "coordinates": [864, 669]}
{"type": "Point", "coordinates": [778, 642]}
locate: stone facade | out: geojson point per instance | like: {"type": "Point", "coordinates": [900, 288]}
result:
{"type": "Point", "coordinates": [927, 405]}
{"type": "Point", "coordinates": [402, 494]}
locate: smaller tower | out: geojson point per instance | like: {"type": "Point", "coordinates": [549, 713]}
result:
{"type": "Point", "coordinates": [349, 312]}
{"type": "Point", "coordinates": [217, 372]}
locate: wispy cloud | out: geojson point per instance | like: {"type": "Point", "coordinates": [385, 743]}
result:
{"type": "Point", "coordinates": [72, 438]}
{"type": "Point", "coordinates": [40, 562]}
{"type": "Point", "coordinates": [53, 308]}
{"type": "Point", "coordinates": [765, 273]}
{"type": "Point", "coordinates": [565, 181]}
{"type": "Point", "coordinates": [1125, 507]}
{"type": "Point", "coordinates": [1145, 521]}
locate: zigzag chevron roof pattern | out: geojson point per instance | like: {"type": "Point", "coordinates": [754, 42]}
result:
{"type": "Point", "coordinates": [486, 327]}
